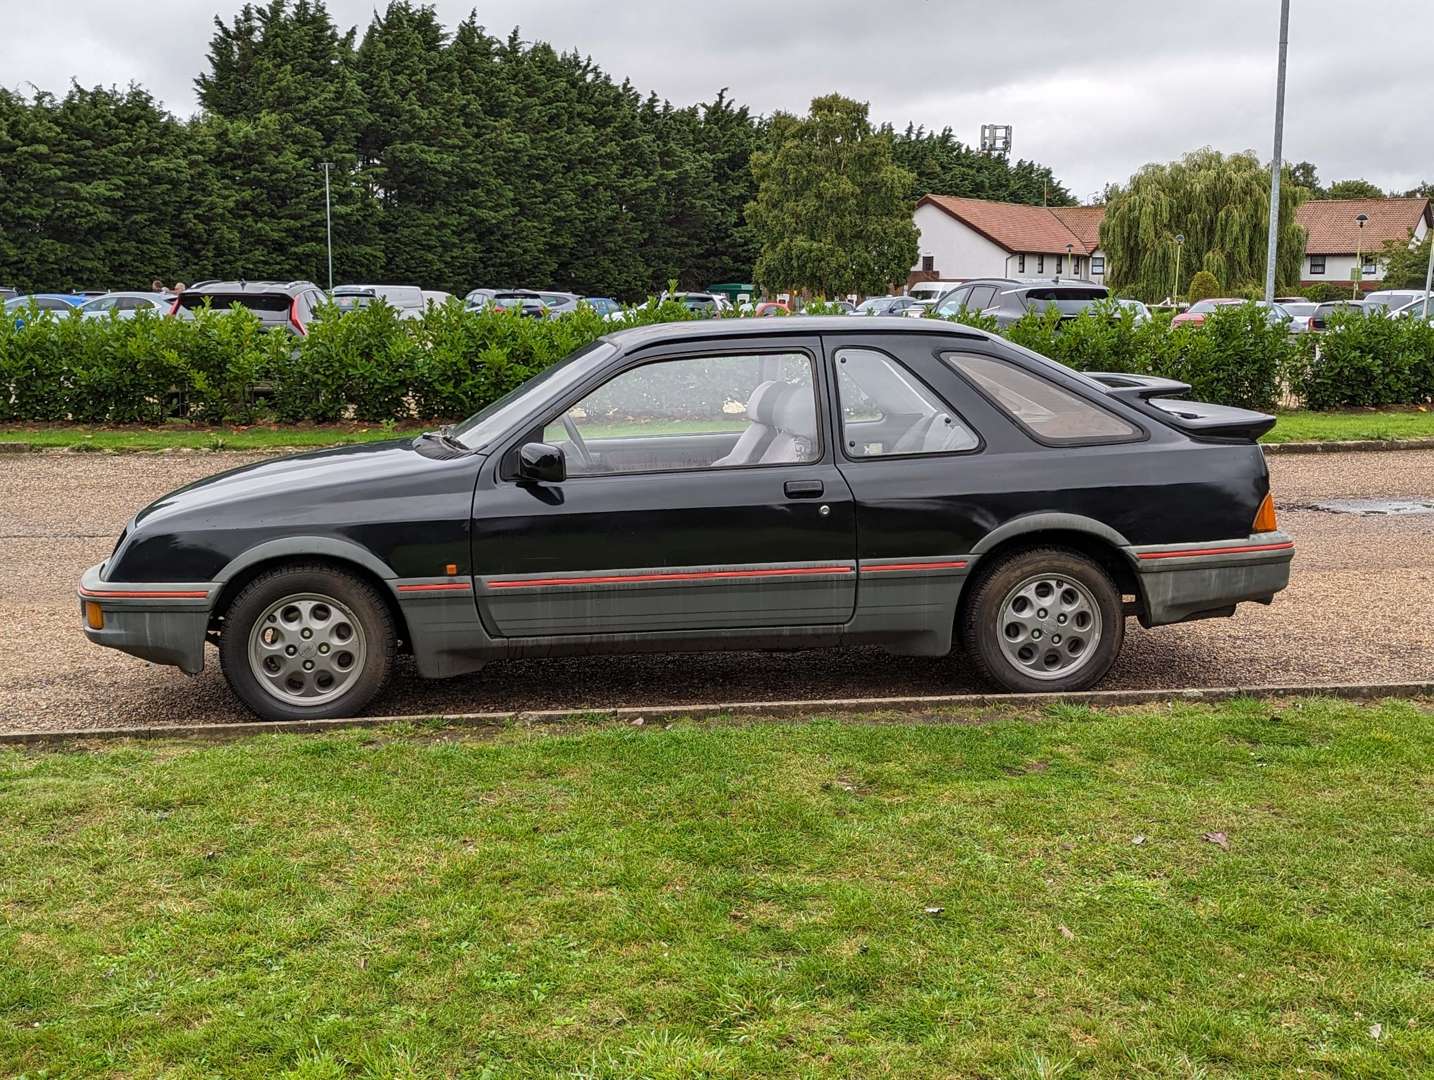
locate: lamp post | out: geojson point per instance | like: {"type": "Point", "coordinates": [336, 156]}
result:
{"type": "Point", "coordinates": [1175, 291]}
{"type": "Point", "coordinates": [1277, 160]}
{"type": "Point", "coordinates": [328, 222]}
{"type": "Point", "coordinates": [1358, 275]}
{"type": "Point", "coordinates": [1428, 279]}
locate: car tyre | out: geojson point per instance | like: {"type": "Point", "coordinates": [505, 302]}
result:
{"type": "Point", "coordinates": [1043, 620]}
{"type": "Point", "coordinates": [307, 642]}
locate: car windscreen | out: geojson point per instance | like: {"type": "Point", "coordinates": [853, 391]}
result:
{"type": "Point", "coordinates": [270, 307]}
{"type": "Point", "coordinates": [492, 422]}
{"type": "Point", "coordinates": [1066, 301]}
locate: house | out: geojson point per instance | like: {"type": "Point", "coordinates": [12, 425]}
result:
{"type": "Point", "coordinates": [966, 238]}
{"type": "Point", "coordinates": [1334, 236]}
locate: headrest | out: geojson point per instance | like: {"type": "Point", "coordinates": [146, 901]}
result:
{"type": "Point", "coordinates": [762, 404]}
{"type": "Point", "coordinates": [797, 412]}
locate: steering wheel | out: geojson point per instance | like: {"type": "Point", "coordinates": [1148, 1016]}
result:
{"type": "Point", "coordinates": [576, 438]}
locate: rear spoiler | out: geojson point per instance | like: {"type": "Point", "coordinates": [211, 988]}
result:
{"type": "Point", "coordinates": [1198, 418]}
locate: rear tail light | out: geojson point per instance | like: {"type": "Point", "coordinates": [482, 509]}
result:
{"type": "Point", "coordinates": [294, 316]}
{"type": "Point", "coordinates": [1265, 516]}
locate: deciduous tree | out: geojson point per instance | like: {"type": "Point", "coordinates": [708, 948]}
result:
{"type": "Point", "coordinates": [832, 211]}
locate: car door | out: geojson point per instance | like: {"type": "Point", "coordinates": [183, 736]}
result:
{"type": "Point", "coordinates": [701, 495]}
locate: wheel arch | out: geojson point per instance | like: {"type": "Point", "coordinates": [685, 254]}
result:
{"type": "Point", "coordinates": [342, 555]}
{"type": "Point", "coordinates": [1094, 539]}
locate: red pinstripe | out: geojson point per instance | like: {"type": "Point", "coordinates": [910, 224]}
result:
{"type": "Point", "coordinates": [681, 575]}
{"type": "Point", "coordinates": [1192, 552]}
{"type": "Point", "coordinates": [453, 586]}
{"type": "Point", "coordinates": [914, 566]}
{"type": "Point", "coordinates": [143, 594]}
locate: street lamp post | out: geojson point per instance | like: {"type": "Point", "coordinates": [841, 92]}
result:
{"type": "Point", "coordinates": [1175, 291]}
{"type": "Point", "coordinates": [1277, 162]}
{"type": "Point", "coordinates": [1428, 279]}
{"type": "Point", "coordinates": [1358, 275]}
{"type": "Point", "coordinates": [328, 222]}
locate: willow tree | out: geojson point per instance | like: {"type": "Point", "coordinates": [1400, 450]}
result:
{"type": "Point", "coordinates": [1220, 205]}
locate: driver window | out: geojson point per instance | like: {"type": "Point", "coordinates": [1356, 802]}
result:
{"type": "Point", "coordinates": [699, 412]}
{"type": "Point", "coordinates": [885, 410]}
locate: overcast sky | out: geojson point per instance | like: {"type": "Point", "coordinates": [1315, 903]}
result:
{"type": "Point", "coordinates": [1093, 90]}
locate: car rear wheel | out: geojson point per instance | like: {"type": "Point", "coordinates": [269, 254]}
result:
{"type": "Point", "coordinates": [307, 642]}
{"type": "Point", "coordinates": [1044, 619]}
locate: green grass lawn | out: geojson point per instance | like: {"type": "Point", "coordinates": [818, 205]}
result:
{"type": "Point", "coordinates": [1293, 427]}
{"type": "Point", "coordinates": [1352, 424]}
{"type": "Point", "coordinates": [811, 899]}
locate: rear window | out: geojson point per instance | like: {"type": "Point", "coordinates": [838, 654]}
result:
{"type": "Point", "coordinates": [268, 306]}
{"type": "Point", "coordinates": [1051, 413]}
{"type": "Point", "coordinates": [1066, 301]}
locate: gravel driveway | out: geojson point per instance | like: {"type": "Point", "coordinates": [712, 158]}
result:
{"type": "Point", "coordinates": [1360, 608]}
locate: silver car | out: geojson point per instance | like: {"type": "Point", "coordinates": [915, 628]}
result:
{"type": "Point", "coordinates": [124, 305]}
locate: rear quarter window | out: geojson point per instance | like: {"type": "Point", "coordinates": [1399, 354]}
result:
{"type": "Point", "coordinates": [1050, 413]}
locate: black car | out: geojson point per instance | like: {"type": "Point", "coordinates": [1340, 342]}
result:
{"type": "Point", "coordinates": [975, 295]}
{"type": "Point", "coordinates": [291, 305]}
{"type": "Point", "coordinates": [718, 484]}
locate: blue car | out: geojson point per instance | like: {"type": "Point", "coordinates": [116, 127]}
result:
{"type": "Point", "coordinates": [57, 302]}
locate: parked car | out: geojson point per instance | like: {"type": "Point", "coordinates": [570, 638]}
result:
{"type": "Point", "coordinates": [1069, 298]}
{"type": "Point", "coordinates": [59, 303]}
{"type": "Point", "coordinates": [124, 305]}
{"type": "Point", "coordinates": [1387, 300]}
{"type": "Point", "coordinates": [1197, 311]}
{"type": "Point", "coordinates": [1142, 313]}
{"type": "Point", "coordinates": [975, 295]}
{"type": "Point", "coordinates": [288, 305]}
{"type": "Point", "coordinates": [1299, 312]}
{"type": "Point", "coordinates": [887, 482]}
{"type": "Point", "coordinates": [436, 297]}
{"type": "Point", "coordinates": [8, 292]}
{"type": "Point", "coordinates": [884, 305]}
{"type": "Point", "coordinates": [1415, 309]}
{"type": "Point", "coordinates": [771, 307]}
{"type": "Point", "coordinates": [1319, 318]}
{"type": "Point", "coordinates": [524, 301]}
{"type": "Point", "coordinates": [603, 305]}
{"type": "Point", "coordinates": [918, 309]}
{"type": "Point", "coordinates": [700, 303]}
{"type": "Point", "coordinates": [931, 290]}
{"type": "Point", "coordinates": [406, 299]}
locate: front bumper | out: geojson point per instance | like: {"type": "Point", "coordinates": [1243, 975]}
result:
{"type": "Point", "coordinates": [1191, 581]}
{"type": "Point", "coordinates": [163, 623]}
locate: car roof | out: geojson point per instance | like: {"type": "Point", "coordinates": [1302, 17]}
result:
{"type": "Point", "coordinates": [801, 326]}
{"type": "Point", "coordinates": [249, 286]}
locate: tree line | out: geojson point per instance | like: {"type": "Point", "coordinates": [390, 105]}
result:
{"type": "Point", "coordinates": [458, 159]}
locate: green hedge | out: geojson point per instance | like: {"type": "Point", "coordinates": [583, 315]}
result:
{"type": "Point", "coordinates": [1365, 360]}
{"type": "Point", "coordinates": [371, 365]}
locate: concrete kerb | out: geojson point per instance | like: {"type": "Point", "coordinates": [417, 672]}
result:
{"type": "Point", "coordinates": [754, 709]}
{"type": "Point", "coordinates": [1347, 446]}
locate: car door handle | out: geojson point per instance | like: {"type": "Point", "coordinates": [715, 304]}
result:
{"type": "Point", "coordinates": [803, 489]}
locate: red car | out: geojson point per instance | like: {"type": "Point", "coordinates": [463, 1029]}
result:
{"type": "Point", "coordinates": [771, 307]}
{"type": "Point", "coordinates": [1196, 312]}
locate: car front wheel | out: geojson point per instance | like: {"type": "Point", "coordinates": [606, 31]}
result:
{"type": "Point", "coordinates": [307, 642]}
{"type": "Point", "coordinates": [1045, 619]}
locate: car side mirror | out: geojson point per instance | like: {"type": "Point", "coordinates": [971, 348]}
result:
{"type": "Point", "coordinates": [542, 463]}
